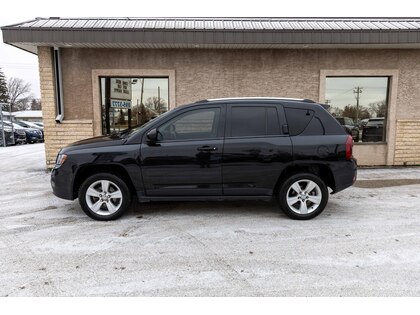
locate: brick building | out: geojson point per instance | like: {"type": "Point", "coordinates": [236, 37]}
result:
{"type": "Point", "coordinates": [103, 75]}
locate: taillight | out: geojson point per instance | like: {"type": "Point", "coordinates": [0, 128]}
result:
{"type": "Point", "coordinates": [349, 147]}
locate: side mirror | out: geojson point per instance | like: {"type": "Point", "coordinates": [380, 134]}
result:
{"type": "Point", "coordinates": [152, 136]}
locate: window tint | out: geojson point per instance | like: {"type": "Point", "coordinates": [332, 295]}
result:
{"type": "Point", "coordinates": [196, 124]}
{"type": "Point", "coordinates": [248, 121]}
{"type": "Point", "coordinates": [254, 121]}
{"type": "Point", "coordinates": [298, 119]}
{"type": "Point", "coordinates": [314, 128]}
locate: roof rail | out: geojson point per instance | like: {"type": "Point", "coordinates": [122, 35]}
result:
{"type": "Point", "coordinates": [256, 98]}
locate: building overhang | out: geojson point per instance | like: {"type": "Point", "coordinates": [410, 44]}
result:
{"type": "Point", "coordinates": [216, 33]}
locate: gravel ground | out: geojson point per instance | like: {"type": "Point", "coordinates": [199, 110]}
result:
{"type": "Point", "coordinates": [366, 243]}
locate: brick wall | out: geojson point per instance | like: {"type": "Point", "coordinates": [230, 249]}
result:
{"type": "Point", "coordinates": [407, 145]}
{"type": "Point", "coordinates": [222, 73]}
{"type": "Point", "coordinates": [56, 135]}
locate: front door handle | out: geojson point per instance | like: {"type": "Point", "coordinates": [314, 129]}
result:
{"type": "Point", "coordinates": [207, 148]}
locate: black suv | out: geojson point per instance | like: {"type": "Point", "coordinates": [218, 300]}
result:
{"type": "Point", "coordinates": [218, 149]}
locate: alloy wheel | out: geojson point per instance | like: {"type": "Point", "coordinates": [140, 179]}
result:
{"type": "Point", "coordinates": [104, 197]}
{"type": "Point", "coordinates": [304, 196]}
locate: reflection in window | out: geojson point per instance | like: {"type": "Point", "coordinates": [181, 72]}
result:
{"type": "Point", "coordinates": [360, 105]}
{"type": "Point", "coordinates": [130, 102]}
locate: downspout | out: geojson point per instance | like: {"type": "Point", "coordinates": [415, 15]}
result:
{"type": "Point", "coordinates": [58, 85]}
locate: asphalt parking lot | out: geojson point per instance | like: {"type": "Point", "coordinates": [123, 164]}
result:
{"type": "Point", "coordinates": [366, 243]}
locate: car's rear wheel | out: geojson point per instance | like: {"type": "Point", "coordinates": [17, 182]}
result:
{"type": "Point", "coordinates": [303, 196]}
{"type": "Point", "coordinates": [104, 196]}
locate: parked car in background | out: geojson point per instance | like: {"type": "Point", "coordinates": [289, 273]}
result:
{"type": "Point", "coordinates": [29, 124]}
{"type": "Point", "coordinates": [19, 135]}
{"type": "Point", "coordinates": [8, 135]}
{"type": "Point", "coordinates": [32, 134]}
{"type": "Point", "coordinates": [38, 123]}
{"type": "Point", "coordinates": [373, 131]}
{"type": "Point", "coordinates": [219, 149]}
{"type": "Point", "coordinates": [363, 123]}
{"type": "Point", "coordinates": [350, 127]}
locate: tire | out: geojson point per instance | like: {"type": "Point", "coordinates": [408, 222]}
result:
{"type": "Point", "coordinates": [104, 207]}
{"type": "Point", "coordinates": [308, 204]}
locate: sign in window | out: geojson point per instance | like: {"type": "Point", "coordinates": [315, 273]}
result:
{"type": "Point", "coordinates": [120, 104]}
{"type": "Point", "coordinates": [131, 102]}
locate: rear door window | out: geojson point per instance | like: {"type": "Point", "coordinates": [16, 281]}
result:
{"type": "Point", "coordinates": [254, 121]}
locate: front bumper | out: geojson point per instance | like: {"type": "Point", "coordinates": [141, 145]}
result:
{"type": "Point", "coordinates": [62, 183]}
{"type": "Point", "coordinates": [33, 139]}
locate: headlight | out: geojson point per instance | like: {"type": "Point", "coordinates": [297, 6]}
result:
{"type": "Point", "coordinates": [61, 158]}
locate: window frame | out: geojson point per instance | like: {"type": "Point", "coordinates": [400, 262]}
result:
{"type": "Point", "coordinates": [349, 119]}
{"type": "Point", "coordinates": [390, 125]}
{"type": "Point", "coordinates": [102, 94]}
{"type": "Point", "coordinates": [126, 73]}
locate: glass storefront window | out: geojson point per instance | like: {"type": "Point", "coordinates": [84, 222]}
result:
{"type": "Point", "coordinates": [360, 105]}
{"type": "Point", "coordinates": [130, 102]}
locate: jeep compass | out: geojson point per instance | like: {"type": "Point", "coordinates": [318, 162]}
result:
{"type": "Point", "coordinates": [216, 149]}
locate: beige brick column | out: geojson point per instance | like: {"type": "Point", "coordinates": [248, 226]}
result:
{"type": "Point", "coordinates": [56, 135]}
{"type": "Point", "coordinates": [407, 145]}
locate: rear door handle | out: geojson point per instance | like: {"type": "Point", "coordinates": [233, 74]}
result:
{"type": "Point", "coordinates": [207, 148]}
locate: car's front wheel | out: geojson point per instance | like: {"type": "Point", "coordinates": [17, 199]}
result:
{"type": "Point", "coordinates": [303, 196]}
{"type": "Point", "coordinates": [104, 196]}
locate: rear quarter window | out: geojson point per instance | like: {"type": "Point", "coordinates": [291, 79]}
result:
{"type": "Point", "coordinates": [309, 122]}
{"type": "Point", "coordinates": [314, 128]}
{"type": "Point", "coordinates": [298, 119]}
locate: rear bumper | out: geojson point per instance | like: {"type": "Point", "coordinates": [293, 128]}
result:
{"type": "Point", "coordinates": [345, 174]}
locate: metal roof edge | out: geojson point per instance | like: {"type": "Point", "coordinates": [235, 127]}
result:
{"type": "Point", "coordinates": [16, 24]}
{"type": "Point", "coordinates": [230, 18]}
{"type": "Point", "coordinates": [300, 19]}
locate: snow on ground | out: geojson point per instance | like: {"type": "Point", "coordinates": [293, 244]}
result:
{"type": "Point", "coordinates": [366, 243]}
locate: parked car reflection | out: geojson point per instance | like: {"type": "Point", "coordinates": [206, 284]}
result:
{"type": "Point", "coordinates": [374, 130]}
{"type": "Point", "coordinates": [350, 127]}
